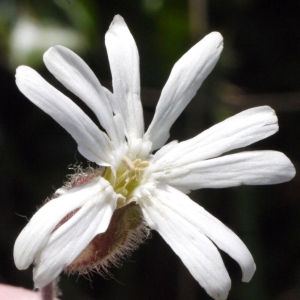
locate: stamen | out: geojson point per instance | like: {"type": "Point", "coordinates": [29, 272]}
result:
{"type": "Point", "coordinates": [138, 174]}
{"type": "Point", "coordinates": [137, 162]}
{"type": "Point", "coordinates": [143, 164]}
{"type": "Point", "coordinates": [128, 163]}
{"type": "Point", "coordinates": [129, 177]}
{"type": "Point", "coordinates": [122, 190]}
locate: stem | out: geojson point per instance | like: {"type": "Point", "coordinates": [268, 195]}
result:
{"type": "Point", "coordinates": [48, 292]}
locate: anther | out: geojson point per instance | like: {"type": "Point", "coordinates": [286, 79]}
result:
{"type": "Point", "coordinates": [143, 164]}
{"type": "Point", "coordinates": [127, 163]}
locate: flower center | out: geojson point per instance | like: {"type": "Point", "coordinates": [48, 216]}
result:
{"type": "Point", "coordinates": [128, 177]}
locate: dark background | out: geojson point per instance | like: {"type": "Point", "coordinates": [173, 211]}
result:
{"type": "Point", "coordinates": [260, 65]}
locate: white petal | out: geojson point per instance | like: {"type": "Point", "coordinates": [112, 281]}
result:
{"type": "Point", "coordinates": [36, 234]}
{"type": "Point", "coordinates": [185, 79]}
{"type": "Point", "coordinates": [179, 221]}
{"type": "Point", "coordinates": [76, 75]}
{"type": "Point", "coordinates": [251, 168]}
{"type": "Point", "coordinates": [164, 151]}
{"type": "Point", "coordinates": [124, 64]}
{"type": "Point", "coordinates": [238, 131]}
{"type": "Point", "coordinates": [67, 242]}
{"type": "Point", "coordinates": [180, 204]}
{"type": "Point", "coordinates": [92, 142]}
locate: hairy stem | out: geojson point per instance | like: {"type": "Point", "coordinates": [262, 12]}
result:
{"type": "Point", "coordinates": [48, 292]}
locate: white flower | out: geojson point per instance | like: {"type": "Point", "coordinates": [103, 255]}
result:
{"type": "Point", "coordinates": [158, 182]}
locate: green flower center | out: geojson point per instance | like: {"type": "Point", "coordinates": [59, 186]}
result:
{"type": "Point", "coordinates": [128, 176]}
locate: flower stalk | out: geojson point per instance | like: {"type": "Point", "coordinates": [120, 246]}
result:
{"type": "Point", "coordinates": [48, 292]}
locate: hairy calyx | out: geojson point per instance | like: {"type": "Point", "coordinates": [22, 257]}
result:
{"type": "Point", "coordinates": [127, 228]}
{"type": "Point", "coordinates": [126, 231]}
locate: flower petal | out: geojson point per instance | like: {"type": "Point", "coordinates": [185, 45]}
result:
{"type": "Point", "coordinates": [67, 242]}
{"type": "Point", "coordinates": [179, 221]}
{"type": "Point", "coordinates": [92, 142]}
{"type": "Point", "coordinates": [251, 168]}
{"type": "Point", "coordinates": [124, 64]}
{"type": "Point", "coordinates": [187, 211]}
{"type": "Point", "coordinates": [240, 130]}
{"type": "Point", "coordinates": [76, 76]}
{"type": "Point", "coordinates": [35, 235]}
{"type": "Point", "coordinates": [185, 79]}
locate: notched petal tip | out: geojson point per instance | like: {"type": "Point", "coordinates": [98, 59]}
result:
{"type": "Point", "coordinates": [21, 258]}
{"type": "Point", "coordinates": [248, 271]}
{"type": "Point", "coordinates": [118, 19]}
{"type": "Point", "coordinates": [22, 71]}
{"type": "Point", "coordinates": [18, 70]}
{"type": "Point", "coordinates": [217, 38]}
{"type": "Point", "coordinates": [117, 23]}
{"type": "Point", "coordinates": [52, 48]}
{"type": "Point", "coordinates": [26, 79]}
{"type": "Point", "coordinates": [52, 52]}
{"type": "Point", "coordinates": [290, 170]}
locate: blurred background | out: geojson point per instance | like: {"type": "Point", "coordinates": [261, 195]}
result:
{"type": "Point", "coordinates": [260, 65]}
